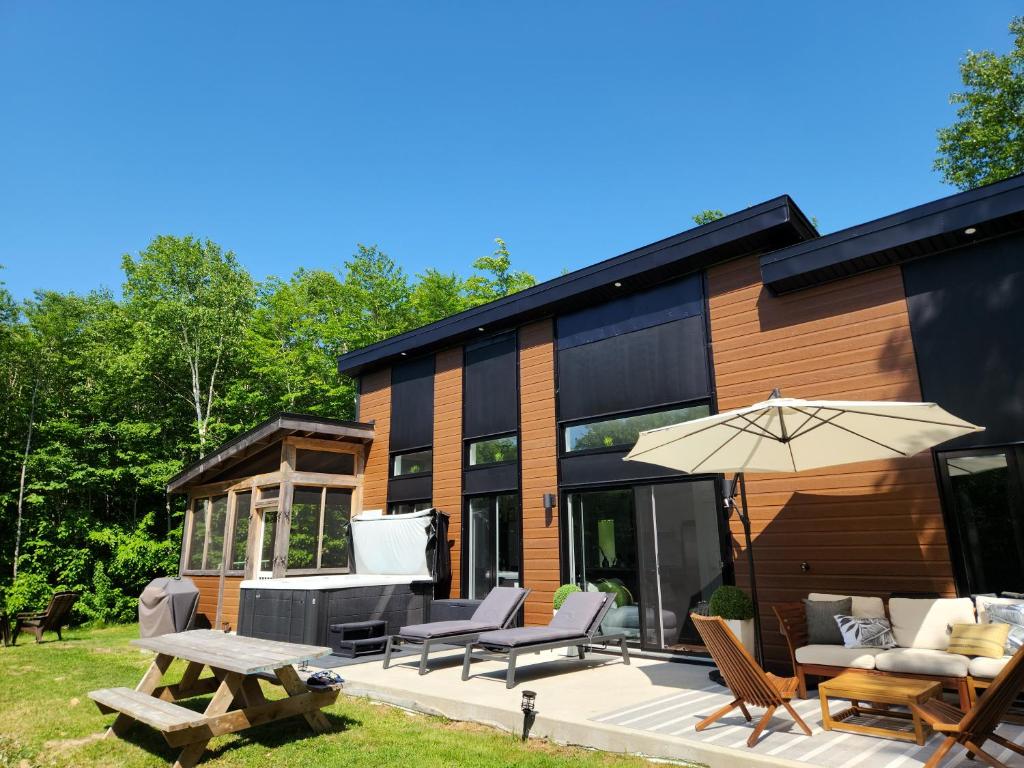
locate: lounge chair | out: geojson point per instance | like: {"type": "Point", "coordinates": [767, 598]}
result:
{"type": "Point", "coordinates": [577, 623]}
{"type": "Point", "coordinates": [749, 683]}
{"type": "Point", "coordinates": [52, 619]}
{"type": "Point", "coordinates": [979, 724]}
{"type": "Point", "coordinates": [496, 611]}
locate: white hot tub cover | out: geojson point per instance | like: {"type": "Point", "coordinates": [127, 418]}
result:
{"type": "Point", "coordinates": [394, 545]}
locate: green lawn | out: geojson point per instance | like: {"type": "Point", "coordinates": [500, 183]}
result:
{"type": "Point", "coordinates": [47, 720]}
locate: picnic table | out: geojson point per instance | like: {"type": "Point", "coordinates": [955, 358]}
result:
{"type": "Point", "coordinates": [237, 664]}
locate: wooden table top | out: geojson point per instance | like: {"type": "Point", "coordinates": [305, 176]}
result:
{"type": "Point", "coordinates": [887, 689]}
{"type": "Point", "coordinates": [245, 655]}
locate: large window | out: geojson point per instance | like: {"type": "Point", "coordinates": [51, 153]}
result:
{"type": "Point", "coordinates": [623, 432]}
{"type": "Point", "coordinates": [412, 463]}
{"type": "Point", "coordinates": [493, 450]}
{"type": "Point", "coordinates": [984, 492]}
{"type": "Point", "coordinates": [206, 533]}
{"type": "Point", "coordinates": [407, 507]}
{"type": "Point", "coordinates": [243, 509]}
{"type": "Point", "coordinates": [494, 543]}
{"type": "Point", "coordinates": [318, 534]}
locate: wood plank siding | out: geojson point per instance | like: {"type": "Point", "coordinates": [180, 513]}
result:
{"type": "Point", "coordinates": [206, 613]}
{"type": "Point", "coordinates": [870, 528]}
{"type": "Point", "coordinates": [447, 487]}
{"type": "Point", "coordinates": [375, 406]}
{"type": "Point", "coordinates": [539, 461]}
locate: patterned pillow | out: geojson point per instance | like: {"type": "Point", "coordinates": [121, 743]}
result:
{"type": "Point", "coordinates": [866, 632]}
{"type": "Point", "coordinates": [1012, 615]}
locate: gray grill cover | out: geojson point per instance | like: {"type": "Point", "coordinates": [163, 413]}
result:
{"type": "Point", "coordinates": [167, 605]}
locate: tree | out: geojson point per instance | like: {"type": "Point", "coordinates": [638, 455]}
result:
{"type": "Point", "coordinates": [986, 142]}
{"type": "Point", "coordinates": [190, 303]}
{"type": "Point", "coordinates": [707, 216]}
{"type": "Point", "coordinates": [376, 299]}
{"type": "Point", "coordinates": [499, 279]}
{"type": "Point", "coordinates": [437, 295]}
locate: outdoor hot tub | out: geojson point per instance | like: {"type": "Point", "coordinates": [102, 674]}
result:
{"type": "Point", "coordinates": [397, 565]}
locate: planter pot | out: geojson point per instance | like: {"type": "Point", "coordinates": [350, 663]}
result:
{"type": "Point", "coordinates": [744, 631]}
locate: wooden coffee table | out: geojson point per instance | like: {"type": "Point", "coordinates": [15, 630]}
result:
{"type": "Point", "coordinates": [873, 690]}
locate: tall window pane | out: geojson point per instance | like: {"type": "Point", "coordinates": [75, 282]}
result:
{"type": "Point", "coordinates": [240, 539]}
{"type": "Point", "coordinates": [305, 528]}
{"type": "Point", "coordinates": [269, 540]}
{"type": "Point", "coordinates": [337, 509]}
{"type": "Point", "coordinates": [218, 519]}
{"type": "Point", "coordinates": [197, 539]}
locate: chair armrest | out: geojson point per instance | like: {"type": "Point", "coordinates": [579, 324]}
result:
{"type": "Point", "coordinates": [793, 626]}
{"type": "Point", "coordinates": [29, 615]}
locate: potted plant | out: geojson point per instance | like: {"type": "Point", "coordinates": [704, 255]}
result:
{"type": "Point", "coordinates": [735, 606]}
{"type": "Point", "coordinates": [560, 594]}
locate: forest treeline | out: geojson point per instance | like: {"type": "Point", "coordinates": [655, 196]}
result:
{"type": "Point", "coordinates": [107, 396]}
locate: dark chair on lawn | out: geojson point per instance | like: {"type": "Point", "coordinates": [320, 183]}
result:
{"type": "Point", "coordinates": [5, 630]}
{"type": "Point", "coordinates": [56, 615]}
{"type": "Point", "coordinates": [979, 724]}
{"type": "Point", "coordinates": [749, 683]}
{"type": "Point", "coordinates": [496, 611]}
{"type": "Point", "coordinates": [577, 623]}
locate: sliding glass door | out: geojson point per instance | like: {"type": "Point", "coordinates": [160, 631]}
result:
{"type": "Point", "coordinates": [493, 543]}
{"type": "Point", "coordinates": [657, 547]}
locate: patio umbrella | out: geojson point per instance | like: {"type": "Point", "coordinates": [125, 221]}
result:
{"type": "Point", "coordinates": [783, 434]}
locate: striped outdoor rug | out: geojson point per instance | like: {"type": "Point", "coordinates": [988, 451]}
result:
{"type": "Point", "coordinates": [676, 715]}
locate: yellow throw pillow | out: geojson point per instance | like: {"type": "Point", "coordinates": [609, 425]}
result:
{"type": "Point", "coordinates": [988, 640]}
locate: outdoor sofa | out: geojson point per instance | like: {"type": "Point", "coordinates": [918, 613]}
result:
{"type": "Point", "coordinates": [577, 623]}
{"type": "Point", "coordinates": [497, 611]}
{"type": "Point", "coordinates": [921, 627]}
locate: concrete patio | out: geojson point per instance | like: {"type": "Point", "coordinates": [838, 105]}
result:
{"type": "Point", "coordinates": [648, 708]}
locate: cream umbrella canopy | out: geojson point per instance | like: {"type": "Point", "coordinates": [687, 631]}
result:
{"type": "Point", "coordinates": [784, 434]}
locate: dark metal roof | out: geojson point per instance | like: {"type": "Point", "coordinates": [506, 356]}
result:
{"type": "Point", "coordinates": [767, 226]}
{"type": "Point", "coordinates": [262, 436]}
{"type": "Point", "coordinates": [993, 210]}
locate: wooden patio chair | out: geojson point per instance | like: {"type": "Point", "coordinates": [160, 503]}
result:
{"type": "Point", "coordinates": [749, 683]}
{"type": "Point", "coordinates": [52, 619]}
{"type": "Point", "coordinates": [978, 725]}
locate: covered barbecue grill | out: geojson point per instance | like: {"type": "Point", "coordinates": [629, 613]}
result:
{"type": "Point", "coordinates": [167, 605]}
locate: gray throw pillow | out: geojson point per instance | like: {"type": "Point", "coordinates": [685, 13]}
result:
{"type": "Point", "coordinates": [821, 620]}
{"type": "Point", "coordinates": [1012, 615]}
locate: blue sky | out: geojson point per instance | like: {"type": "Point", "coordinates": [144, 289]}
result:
{"type": "Point", "coordinates": [289, 132]}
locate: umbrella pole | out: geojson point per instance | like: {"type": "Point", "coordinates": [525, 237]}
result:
{"type": "Point", "coordinates": [745, 520]}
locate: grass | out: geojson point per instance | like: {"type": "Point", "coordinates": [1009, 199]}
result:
{"type": "Point", "coordinates": [47, 720]}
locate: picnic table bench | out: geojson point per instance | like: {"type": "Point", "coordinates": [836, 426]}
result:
{"type": "Point", "coordinates": [236, 664]}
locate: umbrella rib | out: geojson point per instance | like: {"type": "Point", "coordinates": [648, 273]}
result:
{"type": "Point", "coordinates": [822, 422]}
{"type": "Point", "coordinates": [901, 418]}
{"type": "Point", "coordinates": [707, 458]}
{"type": "Point", "coordinates": [739, 431]}
{"type": "Point", "coordinates": [869, 439]}
{"type": "Point", "coordinates": [810, 416]}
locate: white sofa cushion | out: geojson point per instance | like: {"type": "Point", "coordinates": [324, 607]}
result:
{"type": "Point", "coordinates": [863, 607]}
{"type": "Point", "coordinates": [987, 669]}
{"type": "Point", "coordinates": [924, 623]}
{"type": "Point", "coordinates": [838, 656]}
{"type": "Point", "coordinates": [922, 661]}
{"type": "Point", "coordinates": [984, 601]}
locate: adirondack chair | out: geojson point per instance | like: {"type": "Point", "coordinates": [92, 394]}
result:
{"type": "Point", "coordinates": [978, 725]}
{"type": "Point", "coordinates": [51, 620]}
{"type": "Point", "coordinates": [749, 683]}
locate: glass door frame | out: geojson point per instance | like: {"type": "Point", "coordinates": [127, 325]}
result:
{"type": "Point", "coordinates": [1014, 453]}
{"type": "Point", "coordinates": [467, 539]}
{"type": "Point", "coordinates": [565, 555]}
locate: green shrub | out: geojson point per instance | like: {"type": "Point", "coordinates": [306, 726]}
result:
{"type": "Point", "coordinates": [563, 592]}
{"type": "Point", "coordinates": [731, 603]}
{"type": "Point", "coordinates": [28, 592]}
{"type": "Point", "coordinates": [105, 603]}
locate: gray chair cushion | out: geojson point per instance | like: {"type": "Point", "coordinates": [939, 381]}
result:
{"type": "Point", "coordinates": [499, 604]}
{"type": "Point", "coordinates": [445, 629]}
{"type": "Point", "coordinates": [528, 636]}
{"type": "Point", "coordinates": [579, 611]}
{"type": "Point", "coordinates": [822, 628]}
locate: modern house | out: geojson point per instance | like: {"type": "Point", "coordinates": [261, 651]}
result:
{"type": "Point", "coordinates": [513, 417]}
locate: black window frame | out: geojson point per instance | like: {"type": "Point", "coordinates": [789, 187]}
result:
{"type": "Point", "coordinates": [1014, 453]}
{"type": "Point", "coordinates": [468, 442]}
{"type": "Point", "coordinates": [397, 454]}
{"type": "Point", "coordinates": [563, 426]}
{"type": "Point", "coordinates": [414, 503]}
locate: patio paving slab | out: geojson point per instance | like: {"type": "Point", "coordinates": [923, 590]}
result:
{"type": "Point", "coordinates": [648, 708]}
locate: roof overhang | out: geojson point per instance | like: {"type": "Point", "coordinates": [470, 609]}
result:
{"type": "Point", "coordinates": [264, 435]}
{"type": "Point", "coordinates": [768, 226]}
{"type": "Point", "coordinates": [993, 210]}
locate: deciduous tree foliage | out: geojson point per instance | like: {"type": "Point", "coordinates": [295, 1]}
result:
{"type": "Point", "coordinates": [986, 142]}
{"type": "Point", "coordinates": [131, 388]}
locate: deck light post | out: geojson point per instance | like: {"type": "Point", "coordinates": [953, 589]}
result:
{"type": "Point", "coordinates": [529, 712]}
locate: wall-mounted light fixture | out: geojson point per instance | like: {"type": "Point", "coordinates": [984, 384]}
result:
{"type": "Point", "coordinates": [549, 506]}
